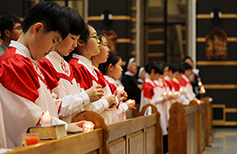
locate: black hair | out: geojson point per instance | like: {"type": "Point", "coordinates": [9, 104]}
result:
{"type": "Point", "coordinates": [163, 64]}
{"type": "Point", "coordinates": [53, 17]}
{"type": "Point", "coordinates": [76, 22]}
{"type": "Point", "coordinates": [155, 66]}
{"type": "Point", "coordinates": [84, 36]}
{"type": "Point", "coordinates": [112, 59]}
{"type": "Point", "coordinates": [173, 67]}
{"type": "Point", "coordinates": [185, 58]}
{"type": "Point", "coordinates": [181, 69]}
{"type": "Point", "coordinates": [187, 66]}
{"type": "Point", "coordinates": [7, 21]}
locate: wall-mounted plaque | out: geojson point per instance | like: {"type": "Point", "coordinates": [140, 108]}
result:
{"type": "Point", "coordinates": [216, 45]}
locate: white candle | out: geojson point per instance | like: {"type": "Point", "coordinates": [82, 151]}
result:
{"type": "Point", "coordinates": [46, 119]}
{"type": "Point", "coordinates": [88, 126]}
{"type": "Point", "coordinates": [120, 89]}
{"type": "Point", "coordinates": [181, 89]}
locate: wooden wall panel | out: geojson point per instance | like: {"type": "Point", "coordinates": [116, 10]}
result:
{"type": "Point", "coordinates": [219, 76]}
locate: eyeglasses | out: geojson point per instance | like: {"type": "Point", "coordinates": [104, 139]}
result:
{"type": "Point", "coordinates": [18, 28]}
{"type": "Point", "coordinates": [96, 37]}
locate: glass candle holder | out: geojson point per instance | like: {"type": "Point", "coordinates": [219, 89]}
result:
{"type": "Point", "coordinates": [46, 119]}
{"type": "Point", "coordinates": [30, 138]}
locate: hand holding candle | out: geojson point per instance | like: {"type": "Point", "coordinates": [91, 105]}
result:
{"type": "Point", "coordinates": [88, 126]}
{"type": "Point", "coordinates": [131, 103]}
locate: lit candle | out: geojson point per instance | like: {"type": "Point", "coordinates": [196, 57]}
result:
{"type": "Point", "coordinates": [120, 89]}
{"type": "Point", "coordinates": [199, 102]}
{"type": "Point", "coordinates": [170, 93]}
{"type": "Point", "coordinates": [130, 101]}
{"type": "Point", "coordinates": [164, 94]}
{"type": "Point", "coordinates": [181, 90]}
{"type": "Point", "coordinates": [88, 126]}
{"type": "Point", "coordinates": [175, 93]}
{"type": "Point", "coordinates": [46, 119]}
{"type": "Point", "coordinates": [199, 84]}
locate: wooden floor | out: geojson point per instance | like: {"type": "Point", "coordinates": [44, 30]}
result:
{"type": "Point", "coordinates": [224, 141]}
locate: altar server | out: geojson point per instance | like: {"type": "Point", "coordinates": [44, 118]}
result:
{"type": "Point", "coordinates": [59, 75]}
{"type": "Point", "coordinates": [24, 94]}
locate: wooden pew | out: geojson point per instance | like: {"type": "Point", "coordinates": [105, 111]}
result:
{"type": "Point", "coordinates": [208, 102]}
{"type": "Point", "coordinates": [189, 127]}
{"type": "Point", "coordinates": [90, 142]}
{"type": "Point", "coordinates": [141, 135]}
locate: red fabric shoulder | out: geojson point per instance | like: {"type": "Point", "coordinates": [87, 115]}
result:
{"type": "Point", "coordinates": [182, 82]}
{"type": "Point", "coordinates": [148, 90]}
{"type": "Point", "coordinates": [168, 83]}
{"type": "Point", "coordinates": [175, 85]}
{"type": "Point", "coordinates": [101, 79]}
{"type": "Point", "coordinates": [81, 74]}
{"type": "Point", "coordinates": [49, 73]}
{"type": "Point", "coordinates": [17, 74]}
{"type": "Point", "coordinates": [112, 87]}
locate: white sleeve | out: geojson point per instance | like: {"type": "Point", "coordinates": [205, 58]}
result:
{"type": "Point", "coordinates": [156, 100]}
{"type": "Point", "coordinates": [72, 103]}
{"type": "Point", "coordinates": [100, 105]}
{"type": "Point", "coordinates": [123, 107]}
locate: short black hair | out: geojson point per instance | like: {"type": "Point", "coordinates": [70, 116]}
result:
{"type": "Point", "coordinates": [173, 67]}
{"type": "Point", "coordinates": [185, 58]}
{"type": "Point", "coordinates": [112, 59]}
{"type": "Point", "coordinates": [155, 66]}
{"type": "Point", "coordinates": [52, 15]}
{"type": "Point", "coordinates": [76, 22]}
{"type": "Point", "coordinates": [187, 66]}
{"type": "Point", "coordinates": [7, 21]}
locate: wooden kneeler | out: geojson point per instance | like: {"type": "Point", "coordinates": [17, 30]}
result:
{"type": "Point", "coordinates": [98, 122]}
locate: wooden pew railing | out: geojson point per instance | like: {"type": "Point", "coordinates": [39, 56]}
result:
{"type": "Point", "coordinates": [189, 127]}
{"type": "Point", "coordinates": [141, 135]}
{"type": "Point", "coordinates": [189, 131]}
{"type": "Point", "coordinates": [133, 136]}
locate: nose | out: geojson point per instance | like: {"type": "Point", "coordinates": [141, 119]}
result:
{"type": "Point", "coordinates": [98, 41]}
{"type": "Point", "coordinates": [75, 44]}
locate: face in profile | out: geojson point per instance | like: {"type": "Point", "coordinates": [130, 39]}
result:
{"type": "Point", "coordinates": [133, 68]}
{"type": "Point", "coordinates": [104, 52]}
{"type": "Point", "coordinates": [117, 70]}
{"type": "Point", "coordinates": [67, 45]}
{"type": "Point", "coordinates": [41, 42]}
{"type": "Point", "coordinates": [16, 32]}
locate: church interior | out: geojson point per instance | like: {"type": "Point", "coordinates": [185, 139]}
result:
{"type": "Point", "coordinates": [162, 31]}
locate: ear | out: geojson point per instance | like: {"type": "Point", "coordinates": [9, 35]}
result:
{"type": "Point", "coordinates": [7, 33]}
{"type": "Point", "coordinates": [153, 71]}
{"type": "Point", "coordinates": [80, 42]}
{"type": "Point", "coordinates": [110, 67]}
{"type": "Point", "coordinates": [38, 28]}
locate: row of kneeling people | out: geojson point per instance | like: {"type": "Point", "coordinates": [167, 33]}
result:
{"type": "Point", "coordinates": [56, 66]}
